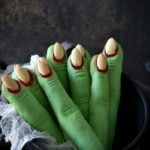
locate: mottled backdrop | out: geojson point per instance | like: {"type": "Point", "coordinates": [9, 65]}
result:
{"type": "Point", "coordinates": [29, 26]}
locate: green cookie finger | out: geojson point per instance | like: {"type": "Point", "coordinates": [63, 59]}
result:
{"type": "Point", "coordinates": [99, 103]}
{"type": "Point", "coordinates": [57, 56]}
{"type": "Point", "coordinates": [68, 115]}
{"type": "Point", "coordinates": [114, 75]}
{"type": "Point", "coordinates": [31, 111]}
{"type": "Point", "coordinates": [79, 80]}
{"type": "Point", "coordinates": [32, 85]}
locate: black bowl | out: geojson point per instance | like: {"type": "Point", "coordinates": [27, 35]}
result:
{"type": "Point", "coordinates": [132, 116]}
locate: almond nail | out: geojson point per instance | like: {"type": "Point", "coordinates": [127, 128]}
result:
{"type": "Point", "coordinates": [10, 84]}
{"type": "Point", "coordinates": [81, 49]}
{"type": "Point", "coordinates": [76, 59]}
{"type": "Point", "coordinates": [44, 69]}
{"type": "Point", "coordinates": [110, 47]}
{"type": "Point", "coordinates": [44, 60]}
{"type": "Point", "coordinates": [58, 52]}
{"type": "Point", "coordinates": [22, 73]}
{"type": "Point", "coordinates": [25, 77]}
{"type": "Point", "coordinates": [101, 63]}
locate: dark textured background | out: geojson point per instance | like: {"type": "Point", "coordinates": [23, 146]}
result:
{"type": "Point", "coordinates": [29, 26]}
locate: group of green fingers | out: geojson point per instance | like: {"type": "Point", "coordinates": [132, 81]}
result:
{"type": "Point", "coordinates": [75, 97]}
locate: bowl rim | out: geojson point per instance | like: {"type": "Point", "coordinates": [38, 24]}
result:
{"type": "Point", "coordinates": [140, 134]}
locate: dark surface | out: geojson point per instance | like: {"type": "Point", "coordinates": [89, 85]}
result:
{"type": "Point", "coordinates": [28, 27]}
